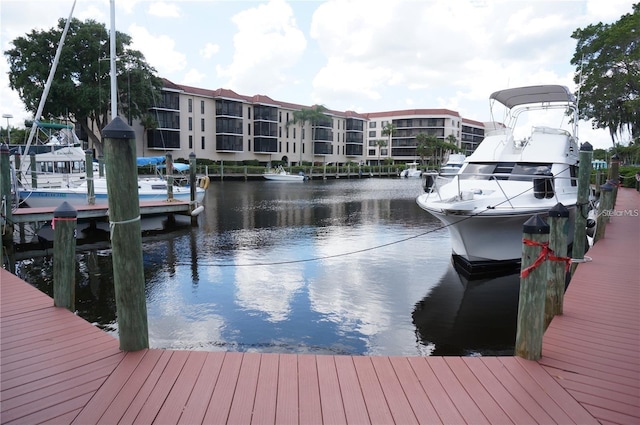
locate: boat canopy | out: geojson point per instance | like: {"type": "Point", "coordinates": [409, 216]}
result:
{"type": "Point", "coordinates": [177, 166]}
{"type": "Point", "coordinates": [48, 125]}
{"type": "Point", "coordinates": [533, 94]}
{"type": "Point", "coordinates": [150, 160]}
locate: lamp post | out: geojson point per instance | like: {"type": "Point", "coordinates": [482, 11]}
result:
{"type": "Point", "coordinates": [8, 117]}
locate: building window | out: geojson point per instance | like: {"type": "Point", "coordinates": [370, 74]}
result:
{"type": "Point", "coordinates": [202, 107]}
{"type": "Point", "coordinates": [249, 129]}
{"type": "Point", "coordinates": [372, 133]}
{"type": "Point", "coordinates": [372, 152]}
{"type": "Point", "coordinates": [202, 142]}
{"type": "Point", "coordinates": [190, 124]}
{"type": "Point", "coordinates": [190, 105]}
{"type": "Point", "coordinates": [202, 124]}
{"type": "Point", "coordinates": [287, 147]}
{"type": "Point", "coordinates": [372, 124]}
{"type": "Point", "coordinates": [190, 141]}
{"type": "Point", "coordinates": [248, 112]}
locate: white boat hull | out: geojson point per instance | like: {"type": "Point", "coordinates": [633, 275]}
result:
{"type": "Point", "coordinates": [492, 237]}
{"type": "Point", "coordinates": [77, 197]}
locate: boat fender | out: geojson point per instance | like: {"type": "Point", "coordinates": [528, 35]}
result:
{"type": "Point", "coordinates": [197, 211]}
{"type": "Point", "coordinates": [204, 182]}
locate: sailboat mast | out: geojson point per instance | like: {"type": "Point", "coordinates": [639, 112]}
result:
{"type": "Point", "coordinates": [112, 54]}
{"type": "Point", "coordinates": [47, 85]}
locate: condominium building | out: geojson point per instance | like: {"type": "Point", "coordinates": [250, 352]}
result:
{"type": "Point", "coordinates": [222, 125]}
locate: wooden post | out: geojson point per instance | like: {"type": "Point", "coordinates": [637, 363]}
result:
{"type": "Point", "coordinates": [533, 286]}
{"type": "Point", "coordinates": [558, 232]}
{"type": "Point", "coordinates": [169, 177]}
{"type": "Point", "coordinates": [192, 186]}
{"type": "Point", "coordinates": [604, 210]}
{"type": "Point", "coordinates": [5, 199]}
{"type": "Point", "coordinates": [64, 256]}
{"type": "Point", "coordinates": [34, 174]}
{"type": "Point", "coordinates": [126, 239]}
{"type": "Point", "coordinates": [582, 203]}
{"type": "Point", "coordinates": [614, 176]}
{"type": "Point", "coordinates": [221, 170]}
{"type": "Point", "coordinates": [91, 194]}
{"type": "Point", "coordinates": [101, 165]}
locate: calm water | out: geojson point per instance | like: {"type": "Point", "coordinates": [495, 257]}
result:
{"type": "Point", "coordinates": [337, 266]}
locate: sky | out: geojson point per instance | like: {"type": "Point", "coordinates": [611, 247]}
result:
{"type": "Point", "coordinates": [357, 55]}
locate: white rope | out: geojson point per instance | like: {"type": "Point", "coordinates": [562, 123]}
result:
{"type": "Point", "coordinates": [112, 224]}
{"type": "Point", "coordinates": [586, 259]}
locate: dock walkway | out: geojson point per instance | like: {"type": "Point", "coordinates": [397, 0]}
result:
{"type": "Point", "coordinates": [57, 368]}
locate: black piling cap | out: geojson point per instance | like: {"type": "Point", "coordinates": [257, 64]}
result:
{"type": "Point", "coordinates": [586, 146]}
{"type": "Point", "coordinates": [535, 226]}
{"type": "Point", "coordinates": [118, 129]}
{"type": "Point", "coordinates": [65, 210]}
{"type": "Point", "coordinates": [559, 210]}
{"type": "Point", "coordinates": [607, 187]}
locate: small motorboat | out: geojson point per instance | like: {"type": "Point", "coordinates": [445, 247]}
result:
{"type": "Point", "coordinates": [411, 170]}
{"type": "Point", "coordinates": [282, 175]}
{"type": "Point", "coordinates": [453, 165]}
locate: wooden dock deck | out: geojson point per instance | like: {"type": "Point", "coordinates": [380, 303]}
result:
{"type": "Point", "coordinates": [26, 215]}
{"type": "Point", "coordinates": [57, 368]}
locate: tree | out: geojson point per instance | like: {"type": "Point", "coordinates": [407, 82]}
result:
{"type": "Point", "coordinates": [303, 117]}
{"type": "Point", "coordinates": [389, 130]}
{"type": "Point", "coordinates": [80, 90]}
{"type": "Point", "coordinates": [148, 122]}
{"type": "Point", "coordinates": [380, 143]}
{"type": "Point", "coordinates": [427, 145]}
{"type": "Point", "coordinates": [607, 60]}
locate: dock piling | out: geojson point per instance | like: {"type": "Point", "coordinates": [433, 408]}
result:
{"type": "Point", "coordinates": [582, 202]}
{"type": "Point", "coordinates": [533, 288]}
{"type": "Point", "coordinates": [64, 251]}
{"type": "Point", "coordinates": [557, 269]}
{"type": "Point", "coordinates": [126, 239]}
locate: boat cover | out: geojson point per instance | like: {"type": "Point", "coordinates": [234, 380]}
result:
{"type": "Point", "coordinates": [533, 94]}
{"type": "Point", "coordinates": [150, 160]}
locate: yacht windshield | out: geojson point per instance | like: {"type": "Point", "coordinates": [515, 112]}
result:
{"type": "Point", "coordinates": [504, 171]}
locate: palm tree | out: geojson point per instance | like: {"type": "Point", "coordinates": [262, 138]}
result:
{"type": "Point", "coordinates": [380, 143]}
{"type": "Point", "coordinates": [303, 117]}
{"type": "Point", "coordinates": [389, 130]}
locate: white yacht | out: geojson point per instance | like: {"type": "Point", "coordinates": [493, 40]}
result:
{"type": "Point", "coordinates": [515, 173]}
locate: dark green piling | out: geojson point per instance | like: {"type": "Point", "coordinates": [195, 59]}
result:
{"type": "Point", "coordinates": [533, 288]}
{"type": "Point", "coordinates": [88, 160]}
{"type": "Point", "coordinates": [64, 252]}
{"type": "Point", "coordinates": [192, 186]}
{"type": "Point", "coordinates": [126, 239]}
{"type": "Point", "coordinates": [558, 234]}
{"type": "Point", "coordinates": [605, 208]}
{"type": "Point", "coordinates": [34, 173]}
{"type": "Point", "coordinates": [582, 203]}
{"type": "Point", "coordinates": [169, 161]}
{"type": "Point", "coordinates": [5, 199]}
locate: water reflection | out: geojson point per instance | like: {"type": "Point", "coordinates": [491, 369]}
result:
{"type": "Point", "coordinates": [337, 266]}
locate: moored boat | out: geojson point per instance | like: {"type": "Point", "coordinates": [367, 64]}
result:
{"type": "Point", "coordinates": [453, 164]}
{"type": "Point", "coordinates": [509, 178]}
{"type": "Point", "coordinates": [411, 170]}
{"type": "Point", "coordinates": [280, 174]}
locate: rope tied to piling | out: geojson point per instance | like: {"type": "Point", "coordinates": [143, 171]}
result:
{"type": "Point", "coordinates": [112, 224]}
{"type": "Point", "coordinates": [53, 222]}
{"type": "Point", "coordinates": [546, 253]}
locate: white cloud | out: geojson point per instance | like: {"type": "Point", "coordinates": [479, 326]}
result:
{"type": "Point", "coordinates": [193, 77]}
{"type": "Point", "coordinates": [159, 50]}
{"type": "Point", "coordinates": [209, 50]}
{"type": "Point", "coordinates": [165, 10]}
{"type": "Point", "coordinates": [267, 43]}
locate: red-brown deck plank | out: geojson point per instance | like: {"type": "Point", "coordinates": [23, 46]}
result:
{"type": "Point", "coordinates": [57, 368]}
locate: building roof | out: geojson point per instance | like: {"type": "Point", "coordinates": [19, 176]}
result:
{"type": "Point", "coordinates": [266, 100]}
